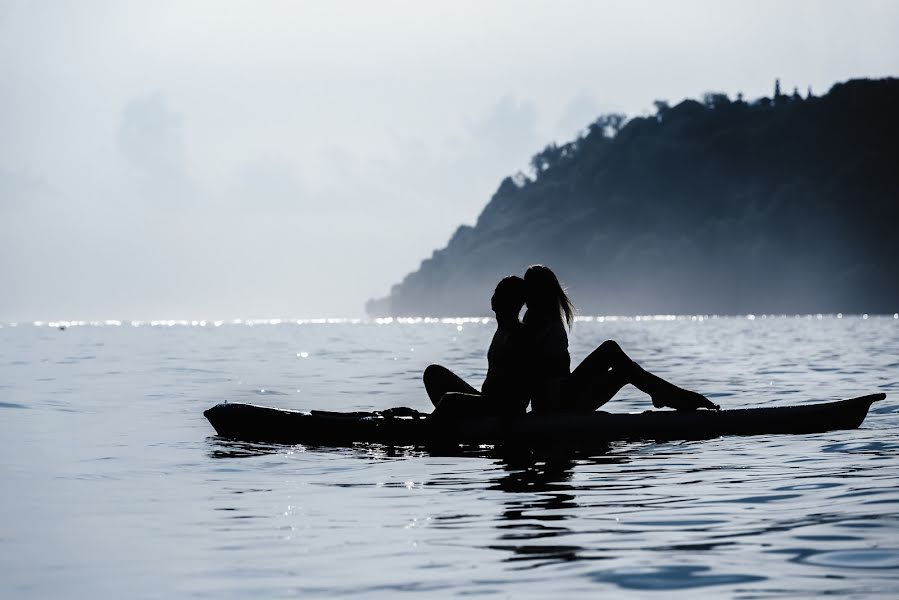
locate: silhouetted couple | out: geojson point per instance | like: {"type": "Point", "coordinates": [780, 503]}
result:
{"type": "Point", "coordinates": [528, 362]}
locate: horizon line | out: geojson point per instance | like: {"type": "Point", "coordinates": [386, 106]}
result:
{"type": "Point", "coordinates": [459, 321]}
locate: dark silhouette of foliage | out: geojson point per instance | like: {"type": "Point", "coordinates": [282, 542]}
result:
{"type": "Point", "coordinates": [787, 205]}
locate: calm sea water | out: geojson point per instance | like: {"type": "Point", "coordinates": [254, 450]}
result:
{"type": "Point", "coordinates": [114, 485]}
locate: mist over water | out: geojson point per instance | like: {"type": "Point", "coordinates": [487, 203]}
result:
{"type": "Point", "coordinates": [223, 159]}
{"type": "Point", "coordinates": [115, 485]}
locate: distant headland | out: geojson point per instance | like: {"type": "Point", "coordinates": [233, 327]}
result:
{"type": "Point", "coordinates": [788, 204]}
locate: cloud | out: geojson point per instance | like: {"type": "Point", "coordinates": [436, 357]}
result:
{"type": "Point", "coordinates": [580, 111]}
{"type": "Point", "coordinates": [151, 138]}
{"type": "Point", "coordinates": [19, 190]}
{"type": "Point", "coordinates": [268, 183]}
{"type": "Point", "coordinates": [509, 126]}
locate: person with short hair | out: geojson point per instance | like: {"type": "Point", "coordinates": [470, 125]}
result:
{"type": "Point", "coordinates": [506, 389]}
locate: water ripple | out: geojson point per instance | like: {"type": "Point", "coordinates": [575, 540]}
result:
{"type": "Point", "coordinates": [672, 577]}
{"type": "Point", "coordinates": [113, 453]}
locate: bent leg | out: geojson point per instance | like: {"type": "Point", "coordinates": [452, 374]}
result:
{"type": "Point", "coordinates": [587, 393]}
{"type": "Point", "coordinates": [591, 381]}
{"type": "Point", "coordinates": [440, 380]}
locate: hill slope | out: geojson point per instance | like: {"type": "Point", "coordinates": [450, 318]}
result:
{"type": "Point", "coordinates": [787, 205]}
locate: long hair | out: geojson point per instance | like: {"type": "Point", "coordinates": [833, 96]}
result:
{"type": "Point", "coordinates": [545, 296]}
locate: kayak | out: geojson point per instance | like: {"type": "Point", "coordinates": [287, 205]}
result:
{"type": "Point", "coordinates": [407, 427]}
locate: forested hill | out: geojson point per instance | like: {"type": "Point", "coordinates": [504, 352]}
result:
{"type": "Point", "coordinates": [787, 204]}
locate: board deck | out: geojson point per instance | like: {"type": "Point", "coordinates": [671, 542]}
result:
{"type": "Point", "coordinates": [250, 422]}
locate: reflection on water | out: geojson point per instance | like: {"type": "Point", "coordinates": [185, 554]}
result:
{"type": "Point", "coordinates": [118, 487]}
{"type": "Point", "coordinates": [540, 502]}
{"type": "Point", "coordinates": [227, 448]}
{"type": "Point", "coordinates": [592, 512]}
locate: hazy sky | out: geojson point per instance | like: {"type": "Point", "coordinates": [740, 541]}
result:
{"type": "Point", "coordinates": [258, 159]}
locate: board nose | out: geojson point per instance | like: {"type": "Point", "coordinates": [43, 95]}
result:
{"type": "Point", "coordinates": [212, 414]}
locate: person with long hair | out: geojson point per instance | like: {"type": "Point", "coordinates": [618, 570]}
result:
{"type": "Point", "coordinates": [555, 388]}
{"type": "Point", "coordinates": [506, 387]}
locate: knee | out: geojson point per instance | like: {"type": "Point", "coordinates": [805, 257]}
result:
{"type": "Point", "coordinates": [612, 350]}
{"type": "Point", "coordinates": [431, 371]}
{"type": "Point", "coordinates": [610, 346]}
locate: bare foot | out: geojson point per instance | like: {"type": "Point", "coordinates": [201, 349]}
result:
{"type": "Point", "coordinates": [681, 399]}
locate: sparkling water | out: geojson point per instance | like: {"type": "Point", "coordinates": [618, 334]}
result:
{"type": "Point", "coordinates": [115, 486]}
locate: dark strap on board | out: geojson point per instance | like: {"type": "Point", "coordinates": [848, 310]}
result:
{"type": "Point", "coordinates": [389, 413]}
{"type": "Point", "coordinates": [402, 411]}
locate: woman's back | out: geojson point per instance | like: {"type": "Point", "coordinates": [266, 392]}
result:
{"type": "Point", "coordinates": [550, 362]}
{"type": "Point", "coordinates": [549, 310]}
